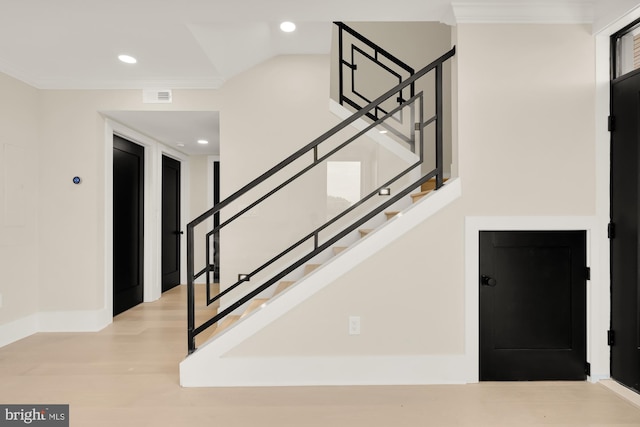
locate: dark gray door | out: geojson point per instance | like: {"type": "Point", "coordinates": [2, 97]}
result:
{"type": "Point", "coordinates": [128, 224]}
{"type": "Point", "coordinates": [625, 317]}
{"type": "Point", "coordinates": [532, 305]}
{"type": "Point", "coordinates": [170, 223]}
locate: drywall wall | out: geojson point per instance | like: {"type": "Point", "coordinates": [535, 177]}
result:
{"type": "Point", "coordinates": [19, 192]}
{"type": "Point", "coordinates": [72, 218]}
{"type": "Point", "coordinates": [72, 232]}
{"type": "Point", "coordinates": [526, 141]}
{"type": "Point", "coordinates": [270, 112]}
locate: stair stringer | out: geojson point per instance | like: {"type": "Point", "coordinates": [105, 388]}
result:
{"type": "Point", "coordinates": [209, 366]}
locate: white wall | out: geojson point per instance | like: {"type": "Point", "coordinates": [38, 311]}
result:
{"type": "Point", "coordinates": [201, 200]}
{"type": "Point", "coordinates": [72, 220]}
{"type": "Point", "coordinates": [19, 192]}
{"type": "Point", "coordinates": [527, 150]}
{"type": "Point", "coordinates": [270, 112]}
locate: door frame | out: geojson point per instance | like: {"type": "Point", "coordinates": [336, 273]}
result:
{"type": "Point", "coordinates": [597, 290]}
{"type": "Point", "coordinates": [154, 151]}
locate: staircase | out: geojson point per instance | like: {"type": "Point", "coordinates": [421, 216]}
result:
{"type": "Point", "coordinates": [257, 303]}
{"type": "Point", "coordinates": [400, 113]}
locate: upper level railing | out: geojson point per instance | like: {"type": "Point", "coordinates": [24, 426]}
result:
{"type": "Point", "coordinates": [303, 162]}
{"type": "Point", "coordinates": [365, 71]}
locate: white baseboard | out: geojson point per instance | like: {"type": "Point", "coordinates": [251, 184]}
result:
{"type": "Point", "coordinates": [622, 391]}
{"type": "Point", "coordinates": [54, 321]}
{"type": "Point", "coordinates": [74, 321]}
{"type": "Point", "coordinates": [324, 371]}
{"type": "Point", "coordinates": [18, 329]}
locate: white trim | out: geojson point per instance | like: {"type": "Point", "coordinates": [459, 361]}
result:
{"type": "Point", "coordinates": [604, 27]}
{"type": "Point", "coordinates": [622, 391]}
{"type": "Point", "coordinates": [58, 321]}
{"type": "Point", "coordinates": [74, 321]}
{"type": "Point", "coordinates": [89, 84]}
{"type": "Point", "coordinates": [326, 371]}
{"type": "Point", "coordinates": [152, 208]}
{"type": "Point", "coordinates": [601, 295]}
{"type": "Point", "coordinates": [596, 327]}
{"type": "Point", "coordinates": [205, 365]}
{"type": "Point", "coordinates": [18, 329]}
{"type": "Point", "coordinates": [577, 12]}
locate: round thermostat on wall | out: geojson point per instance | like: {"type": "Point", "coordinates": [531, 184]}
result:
{"type": "Point", "coordinates": [76, 180]}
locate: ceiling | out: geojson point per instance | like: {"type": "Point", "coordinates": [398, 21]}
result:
{"type": "Point", "coordinates": [74, 44]}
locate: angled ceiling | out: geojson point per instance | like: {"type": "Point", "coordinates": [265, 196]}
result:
{"type": "Point", "coordinates": [73, 44]}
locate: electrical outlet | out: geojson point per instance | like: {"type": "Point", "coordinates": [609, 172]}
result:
{"type": "Point", "coordinates": [354, 325]}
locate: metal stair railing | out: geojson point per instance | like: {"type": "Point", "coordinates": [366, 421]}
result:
{"type": "Point", "coordinates": [414, 102]}
{"type": "Point", "coordinates": [355, 54]}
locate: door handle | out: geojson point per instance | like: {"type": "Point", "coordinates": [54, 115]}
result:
{"type": "Point", "coordinates": [487, 281]}
{"type": "Point", "coordinates": [178, 232]}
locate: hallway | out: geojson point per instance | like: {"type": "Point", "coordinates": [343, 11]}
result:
{"type": "Point", "coordinates": [127, 375]}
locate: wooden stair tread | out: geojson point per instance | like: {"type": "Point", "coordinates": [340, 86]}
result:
{"type": "Point", "coordinates": [309, 268]}
{"type": "Point", "coordinates": [431, 184]}
{"type": "Point", "coordinates": [226, 322]}
{"type": "Point", "coordinates": [338, 249]}
{"type": "Point", "coordinates": [391, 214]}
{"type": "Point", "coordinates": [282, 286]}
{"type": "Point", "coordinates": [365, 231]}
{"type": "Point", "coordinates": [417, 196]}
{"type": "Point", "coordinates": [253, 305]}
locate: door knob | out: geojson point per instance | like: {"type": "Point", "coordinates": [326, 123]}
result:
{"type": "Point", "coordinates": [487, 281]}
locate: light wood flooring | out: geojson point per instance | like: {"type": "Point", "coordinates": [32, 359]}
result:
{"type": "Point", "coordinates": [127, 375]}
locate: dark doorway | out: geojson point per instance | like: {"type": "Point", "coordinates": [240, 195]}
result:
{"type": "Point", "coordinates": [128, 224]}
{"type": "Point", "coordinates": [625, 316]}
{"type": "Point", "coordinates": [170, 223]}
{"type": "Point", "coordinates": [216, 222]}
{"type": "Point", "coordinates": [532, 305]}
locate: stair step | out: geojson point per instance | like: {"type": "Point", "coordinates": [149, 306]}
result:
{"type": "Point", "coordinates": [431, 184]}
{"type": "Point", "coordinates": [253, 305]}
{"type": "Point", "coordinates": [226, 322]}
{"type": "Point", "coordinates": [338, 249]}
{"type": "Point", "coordinates": [282, 286]}
{"type": "Point", "coordinates": [391, 214]}
{"type": "Point", "coordinates": [365, 231]}
{"type": "Point", "coordinates": [417, 196]}
{"type": "Point", "coordinates": [309, 268]}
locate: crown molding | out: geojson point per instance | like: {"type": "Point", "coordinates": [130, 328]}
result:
{"type": "Point", "coordinates": [96, 84]}
{"type": "Point", "coordinates": [69, 84]}
{"type": "Point", "coordinates": [573, 12]}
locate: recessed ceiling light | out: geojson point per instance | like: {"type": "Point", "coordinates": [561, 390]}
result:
{"type": "Point", "coordinates": [203, 141]}
{"type": "Point", "coordinates": [180, 144]}
{"type": "Point", "coordinates": [127, 59]}
{"type": "Point", "coordinates": [288, 27]}
{"type": "Point", "coordinates": [384, 131]}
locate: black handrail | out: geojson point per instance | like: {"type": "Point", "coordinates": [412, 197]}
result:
{"type": "Point", "coordinates": [314, 233]}
{"type": "Point", "coordinates": [193, 331]}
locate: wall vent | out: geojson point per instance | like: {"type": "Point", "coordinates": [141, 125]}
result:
{"type": "Point", "coordinates": [155, 96]}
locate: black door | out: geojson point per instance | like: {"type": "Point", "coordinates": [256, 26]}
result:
{"type": "Point", "coordinates": [532, 305]}
{"type": "Point", "coordinates": [170, 223]}
{"type": "Point", "coordinates": [625, 108]}
{"type": "Point", "coordinates": [128, 230]}
{"type": "Point", "coordinates": [216, 222]}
